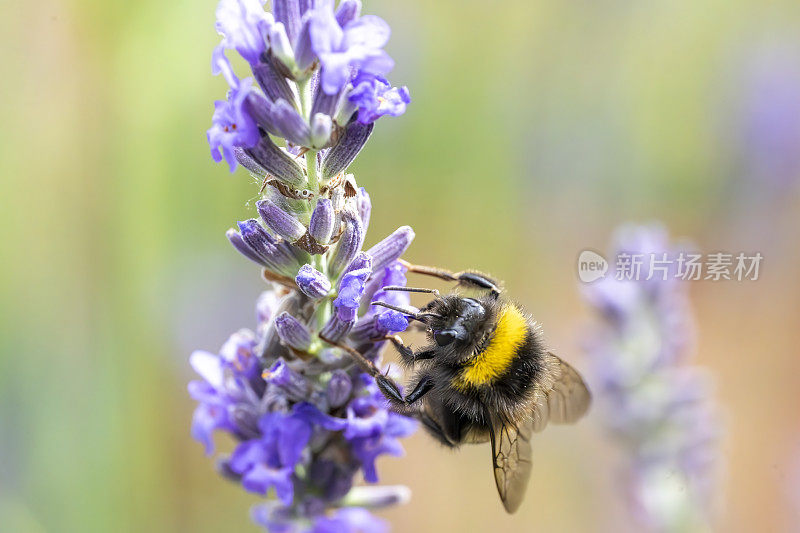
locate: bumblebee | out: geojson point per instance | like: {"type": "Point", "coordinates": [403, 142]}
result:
{"type": "Point", "coordinates": [485, 376]}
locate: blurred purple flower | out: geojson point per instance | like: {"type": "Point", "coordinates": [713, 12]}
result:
{"type": "Point", "coordinates": [659, 408]}
{"type": "Point", "coordinates": [349, 520]}
{"type": "Point", "coordinates": [374, 431]}
{"type": "Point", "coordinates": [768, 116]}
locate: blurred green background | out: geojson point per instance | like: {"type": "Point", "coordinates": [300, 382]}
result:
{"type": "Point", "coordinates": [536, 128]}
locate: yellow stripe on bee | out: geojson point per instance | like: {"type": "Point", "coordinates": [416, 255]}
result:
{"type": "Point", "coordinates": [491, 363]}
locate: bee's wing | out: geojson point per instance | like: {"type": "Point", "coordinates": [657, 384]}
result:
{"type": "Point", "coordinates": [561, 396]}
{"type": "Point", "coordinates": [511, 457]}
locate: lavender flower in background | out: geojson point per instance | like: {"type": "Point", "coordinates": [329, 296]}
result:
{"type": "Point", "coordinates": [657, 406]}
{"type": "Point", "coordinates": [304, 419]}
{"type": "Point", "coordinates": [766, 119]}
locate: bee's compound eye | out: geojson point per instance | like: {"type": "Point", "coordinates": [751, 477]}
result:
{"type": "Point", "coordinates": [445, 337]}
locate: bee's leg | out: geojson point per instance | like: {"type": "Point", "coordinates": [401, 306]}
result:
{"type": "Point", "coordinates": [388, 387]}
{"type": "Point", "coordinates": [434, 428]}
{"type": "Point", "coordinates": [476, 279]}
{"type": "Point", "coordinates": [392, 392]}
{"type": "Point", "coordinates": [408, 355]}
{"type": "Point", "coordinates": [423, 387]}
{"type": "Point", "coordinates": [406, 406]}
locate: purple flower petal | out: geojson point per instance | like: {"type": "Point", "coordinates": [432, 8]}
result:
{"type": "Point", "coordinates": [350, 520]}
{"type": "Point", "coordinates": [392, 321]}
{"type": "Point", "coordinates": [351, 288]}
{"type": "Point", "coordinates": [375, 98]}
{"type": "Point", "coordinates": [243, 24]}
{"type": "Point", "coordinates": [310, 413]}
{"type": "Point", "coordinates": [246, 455]}
{"type": "Point", "coordinates": [347, 11]}
{"type": "Point", "coordinates": [232, 126]}
{"type": "Point", "coordinates": [293, 437]}
{"type": "Point", "coordinates": [206, 419]}
{"type": "Point", "coordinates": [356, 46]}
{"type": "Point", "coordinates": [288, 12]}
{"type": "Point", "coordinates": [208, 366]}
{"type": "Point", "coordinates": [261, 478]}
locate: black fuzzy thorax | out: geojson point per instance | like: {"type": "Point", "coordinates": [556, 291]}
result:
{"type": "Point", "coordinates": [467, 414]}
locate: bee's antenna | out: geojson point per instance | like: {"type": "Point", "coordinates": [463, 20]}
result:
{"type": "Point", "coordinates": [412, 314]}
{"type": "Point", "coordinates": [411, 289]}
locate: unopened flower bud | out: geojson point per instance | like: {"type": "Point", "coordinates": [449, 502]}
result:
{"type": "Point", "coordinates": [312, 282]}
{"type": "Point", "coordinates": [339, 388]}
{"type": "Point", "coordinates": [280, 47]}
{"type": "Point", "coordinates": [350, 144]}
{"type": "Point", "coordinates": [276, 162]}
{"type": "Point", "coordinates": [349, 243]}
{"type": "Point", "coordinates": [391, 248]}
{"type": "Point", "coordinates": [293, 332]}
{"type": "Point", "coordinates": [321, 225]}
{"type": "Point", "coordinates": [321, 126]}
{"type": "Point", "coordinates": [280, 221]}
{"type": "Point", "coordinates": [295, 385]}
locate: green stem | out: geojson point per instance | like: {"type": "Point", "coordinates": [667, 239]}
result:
{"type": "Point", "coordinates": [304, 97]}
{"type": "Point", "coordinates": [311, 169]}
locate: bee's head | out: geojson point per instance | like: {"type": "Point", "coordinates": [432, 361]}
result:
{"type": "Point", "coordinates": [457, 323]}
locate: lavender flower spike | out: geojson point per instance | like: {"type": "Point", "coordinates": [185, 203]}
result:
{"type": "Point", "coordinates": [659, 407]}
{"type": "Point", "coordinates": [304, 417]}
